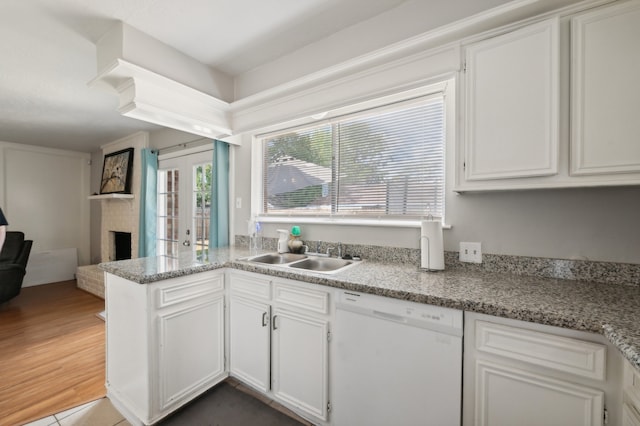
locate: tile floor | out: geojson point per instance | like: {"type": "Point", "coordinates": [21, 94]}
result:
{"type": "Point", "coordinates": [102, 413]}
{"type": "Point", "coordinates": [95, 413]}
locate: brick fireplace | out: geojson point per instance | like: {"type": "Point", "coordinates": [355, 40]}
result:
{"type": "Point", "coordinates": [118, 216]}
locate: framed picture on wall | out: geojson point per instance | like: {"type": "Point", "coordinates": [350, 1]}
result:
{"type": "Point", "coordinates": [116, 172]}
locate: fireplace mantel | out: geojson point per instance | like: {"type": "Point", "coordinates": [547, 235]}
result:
{"type": "Point", "coordinates": [111, 197]}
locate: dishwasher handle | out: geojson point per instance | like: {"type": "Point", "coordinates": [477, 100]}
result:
{"type": "Point", "coordinates": [388, 316]}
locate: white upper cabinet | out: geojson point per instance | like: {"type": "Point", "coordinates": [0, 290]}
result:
{"type": "Point", "coordinates": [605, 101]}
{"type": "Point", "coordinates": [512, 98]}
{"type": "Point", "coordinates": [555, 104]}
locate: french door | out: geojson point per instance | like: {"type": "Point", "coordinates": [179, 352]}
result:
{"type": "Point", "coordinates": [184, 203]}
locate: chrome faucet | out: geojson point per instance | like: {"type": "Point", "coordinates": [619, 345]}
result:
{"type": "Point", "coordinates": [318, 243]}
{"type": "Point", "coordinates": [329, 251]}
{"type": "Point", "coordinates": [340, 250]}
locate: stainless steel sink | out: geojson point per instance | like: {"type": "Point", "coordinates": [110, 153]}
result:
{"type": "Point", "coordinates": [278, 258]}
{"type": "Point", "coordinates": [321, 264]}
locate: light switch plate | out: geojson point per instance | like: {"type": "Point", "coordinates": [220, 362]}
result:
{"type": "Point", "coordinates": [471, 252]}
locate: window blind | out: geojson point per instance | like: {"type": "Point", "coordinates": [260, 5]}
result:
{"type": "Point", "coordinates": [383, 162]}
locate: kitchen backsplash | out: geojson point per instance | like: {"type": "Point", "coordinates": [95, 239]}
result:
{"type": "Point", "coordinates": [604, 272]}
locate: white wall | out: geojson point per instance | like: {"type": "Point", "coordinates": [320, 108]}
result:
{"type": "Point", "coordinates": [125, 42]}
{"type": "Point", "coordinates": [165, 138]}
{"type": "Point", "coordinates": [96, 207]}
{"type": "Point", "coordinates": [412, 19]}
{"type": "Point", "coordinates": [44, 194]}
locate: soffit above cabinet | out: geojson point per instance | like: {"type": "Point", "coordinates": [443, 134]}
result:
{"type": "Point", "coordinates": [150, 97]}
{"type": "Point", "coordinates": [152, 80]}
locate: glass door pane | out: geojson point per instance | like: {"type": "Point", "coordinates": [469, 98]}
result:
{"type": "Point", "coordinates": [168, 212]}
{"type": "Point", "coordinates": [184, 203]}
{"type": "Point", "coordinates": [203, 177]}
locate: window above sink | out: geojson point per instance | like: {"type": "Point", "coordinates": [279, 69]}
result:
{"type": "Point", "coordinates": [380, 165]}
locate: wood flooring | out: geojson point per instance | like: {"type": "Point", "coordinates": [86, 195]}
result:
{"type": "Point", "coordinates": [52, 352]}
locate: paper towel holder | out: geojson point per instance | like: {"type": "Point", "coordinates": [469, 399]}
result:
{"type": "Point", "coordinates": [431, 245]}
{"type": "Point", "coordinates": [427, 269]}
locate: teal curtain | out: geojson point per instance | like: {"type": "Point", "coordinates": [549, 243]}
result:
{"type": "Point", "coordinates": [148, 204]}
{"type": "Point", "coordinates": [219, 217]}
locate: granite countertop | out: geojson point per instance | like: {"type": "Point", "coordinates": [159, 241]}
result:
{"type": "Point", "coordinates": [608, 309]}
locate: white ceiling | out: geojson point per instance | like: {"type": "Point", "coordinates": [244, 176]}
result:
{"type": "Point", "coordinates": [47, 52]}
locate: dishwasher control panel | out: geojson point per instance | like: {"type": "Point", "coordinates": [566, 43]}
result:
{"type": "Point", "coordinates": [411, 313]}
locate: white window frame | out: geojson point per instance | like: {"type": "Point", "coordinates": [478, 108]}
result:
{"type": "Point", "coordinates": [444, 87]}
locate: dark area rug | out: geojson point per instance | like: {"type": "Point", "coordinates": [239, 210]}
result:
{"type": "Point", "coordinates": [224, 405]}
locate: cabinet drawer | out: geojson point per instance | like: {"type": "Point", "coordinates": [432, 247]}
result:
{"type": "Point", "coordinates": [300, 297]}
{"type": "Point", "coordinates": [559, 353]}
{"type": "Point", "coordinates": [254, 286]}
{"type": "Point", "coordinates": [189, 288]}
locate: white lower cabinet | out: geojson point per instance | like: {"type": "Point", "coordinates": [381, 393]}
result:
{"type": "Point", "coordinates": [279, 340]}
{"type": "Point", "coordinates": [299, 361]}
{"type": "Point", "coordinates": [165, 343]}
{"type": "Point", "coordinates": [631, 395]}
{"type": "Point", "coordinates": [250, 341]}
{"type": "Point", "coordinates": [191, 350]}
{"type": "Point", "coordinates": [510, 396]}
{"type": "Point", "coordinates": [518, 373]}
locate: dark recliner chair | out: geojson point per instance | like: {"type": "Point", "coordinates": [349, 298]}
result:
{"type": "Point", "coordinates": [13, 264]}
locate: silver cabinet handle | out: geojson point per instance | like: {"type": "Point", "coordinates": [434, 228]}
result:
{"type": "Point", "coordinates": [265, 319]}
{"type": "Point", "coordinates": [274, 322]}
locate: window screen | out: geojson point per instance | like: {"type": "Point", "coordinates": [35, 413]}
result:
{"type": "Point", "coordinates": [381, 163]}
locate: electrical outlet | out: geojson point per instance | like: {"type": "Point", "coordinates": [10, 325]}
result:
{"type": "Point", "coordinates": [471, 252]}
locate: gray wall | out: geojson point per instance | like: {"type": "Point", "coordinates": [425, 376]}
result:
{"type": "Point", "coordinates": [588, 223]}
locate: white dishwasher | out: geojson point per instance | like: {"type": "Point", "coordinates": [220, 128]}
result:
{"type": "Point", "coordinates": [395, 362]}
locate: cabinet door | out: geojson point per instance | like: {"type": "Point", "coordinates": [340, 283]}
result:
{"type": "Point", "coordinates": [605, 92]}
{"type": "Point", "coordinates": [300, 361]}
{"type": "Point", "coordinates": [512, 97]}
{"type": "Point", "coordinates": [249, 337]}
{"type": "Point", "coordinates": [191, 348]}
{"type": "Point", "coordinates": [506, 396]}
{"type": "Point", "coordinates": [630, 416]}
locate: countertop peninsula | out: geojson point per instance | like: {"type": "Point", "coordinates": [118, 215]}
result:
{"type": "Point", "coordinates": [609, 309]}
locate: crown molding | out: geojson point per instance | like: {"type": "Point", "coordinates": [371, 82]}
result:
{"type": "Point", "coordinates": [404, 65]}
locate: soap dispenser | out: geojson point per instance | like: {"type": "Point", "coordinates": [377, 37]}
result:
{"type": "Point", "coordinates": [295, 244]}
{"type": "Point", "coordinates": [283, 240]}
